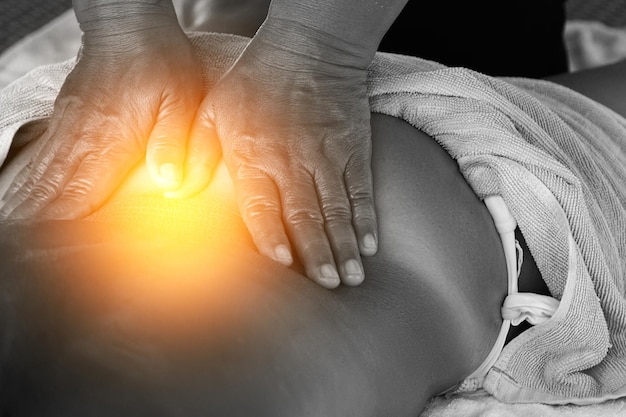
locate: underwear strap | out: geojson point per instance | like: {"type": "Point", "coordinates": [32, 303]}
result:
{"type": "Point", "coordinates": [517, 307]}
{"type": "Point", "coordinates": [530, 307]}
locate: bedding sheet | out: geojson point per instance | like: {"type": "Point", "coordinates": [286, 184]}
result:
{"type": "Point", "coordinates": [60, 40]}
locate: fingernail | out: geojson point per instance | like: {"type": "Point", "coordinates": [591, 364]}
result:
{"type": "Point", "coordinates": [169, 172]}
{"type": "Point", "coordinates": [330, 276]}
{"type": "Point", "coordinates": [354, 272]}
{"type": "Point", "coordinates": [369, 242]}
{"type": "Point", "coordinates": [283, 255]}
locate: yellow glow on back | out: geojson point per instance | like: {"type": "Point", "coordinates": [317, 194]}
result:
{"type": "Point", "coordinates": [178, 256]}
{"type": "Point", "coordinates": [141, 209]}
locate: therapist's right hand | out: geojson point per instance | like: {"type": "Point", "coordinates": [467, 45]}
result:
{"type": "Point", "coordinates": [130, 88]}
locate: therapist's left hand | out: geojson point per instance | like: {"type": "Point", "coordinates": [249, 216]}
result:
{"type": "Point", "coordinates": [295, 134]}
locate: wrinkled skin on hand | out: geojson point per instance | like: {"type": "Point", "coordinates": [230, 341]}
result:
{"type": "Point", "coordinates": [294, 128]}
{"type": "Point", "coordinates": [115, 101]}
{"type": "Point", "coordinates": [295, 136]}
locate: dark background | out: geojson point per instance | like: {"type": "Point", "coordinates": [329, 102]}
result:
{"type": "Point", "coordinates": [20, 17]}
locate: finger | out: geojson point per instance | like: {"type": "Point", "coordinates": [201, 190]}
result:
{"type": "Point", "coordinates": [16, 173]}
{"type": "Point", "coordinates": [203, 152]}
{"type": "Point", "coordinates": [259, 203]}
{"type": "Point", "coordinates": [49, 185]}
{"type": "Point", "coordinates": [17, 194]}
{"type": "Point", "coordinates": [39, 153]}
{"type": "Point", "coordinates": [13, 195]}
{"type": "Point", "coordinates": [338, 225]}
{"type": "Point", "coordinates": [91, 185]}
{"type": "Point", "coordinates": [30, 177]}
{"type": "Point", "coordinates": [359, 183]}
{"type": "Point", "coordinates": [305, 224]}
{"type": "Point", "coordinates": [165, 153]}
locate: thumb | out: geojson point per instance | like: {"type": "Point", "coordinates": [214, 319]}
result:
{"type": "Point", "coordinates": [167, 144]}
{"type": "Point", "coordinates": [203, 153]}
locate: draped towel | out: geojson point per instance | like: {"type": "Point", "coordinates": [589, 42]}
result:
{"type": "Point", "coordinates": [557, 159]}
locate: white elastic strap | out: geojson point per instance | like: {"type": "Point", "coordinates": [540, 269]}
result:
{"type": "Point", "coordinates": [530, 307]}
{"type": "Point", "coordinates": [481, 372]}
{"type": "Point", "coordinates": [505, 225]}
{"type": "Point", "coordinates": [517, 307]}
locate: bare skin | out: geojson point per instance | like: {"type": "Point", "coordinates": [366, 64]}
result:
{"type": "Point", "coordinates": [291, 118]}
{"type": "Point", "coordinates": [142, 323]}
{"type": "Point", "coordinates": [111, 316]}
{"type": "Point", "coordinates": [606, 85]}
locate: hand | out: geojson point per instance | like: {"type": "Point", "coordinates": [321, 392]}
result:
{"type": "Point", "coordinates": [126, 91]}
{"type": "Point", "coordinates": [295, 136]}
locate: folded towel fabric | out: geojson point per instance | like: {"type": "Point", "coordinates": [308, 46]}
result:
{"type": "Point", "coordinates": [558, 160]}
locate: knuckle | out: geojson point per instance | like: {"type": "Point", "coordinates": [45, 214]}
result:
{"type": "Point", "coordinates": [364, 217]}
{"type": "Point", "coordinates": [304, 216]}
{"type": "Point", "coordinates": [19, 189]}
{"type": "Point", "coordinates": [45, 190]}
{"type": "Point", "coordinates": [363, 209]}
{"type": "Point", "coordinates": [315, 249]}
{"type": "Point", "coordinates": [341, 234]}
{"type": "Point", "coordinates": [361, 199]}
{"type": "Point", "coordinates": [75, 199]}
{"type": "Point", "coordinates": [360, 190]}
{"type": "Point", "coordinates": [336, 213]}
{"type": "Point", "coordinates": [78, 189]}
{"type": "Point", "coordinates": [254, 207]}
{"type": "Point", "coordinates": [247, 174]}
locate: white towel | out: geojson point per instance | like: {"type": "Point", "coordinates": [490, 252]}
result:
{"type": "Point", "coordinates": [559, 161]}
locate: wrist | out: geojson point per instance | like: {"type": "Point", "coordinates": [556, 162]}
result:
{"type": "Point", "coordinates": [362, 23]}
{"type": "Point", "coordinates": [117, 28]}
{"type": "Point", "coordinates": [297, 39]}
{"type": "Point", "coordinates": [110, 19]}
